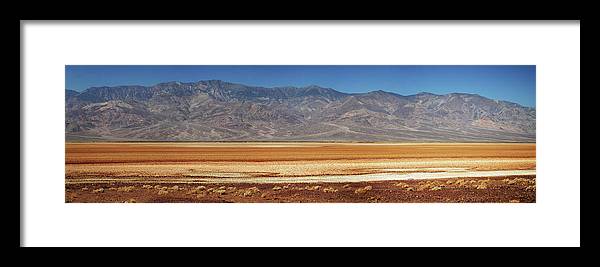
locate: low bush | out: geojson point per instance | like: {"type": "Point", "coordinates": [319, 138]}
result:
{"type": "Point", "coordinates": [99, 190]}
{"type": "Point", "coordinates": [363, 189]}
{"type": "Point", "coordinates": [249, 192]}
{"type": "Point", "coordinates": [125, 189]}
{"type": "Point", "coordinates": [329, 190]}
{"type": "Point", "coordinates": [162, 192]}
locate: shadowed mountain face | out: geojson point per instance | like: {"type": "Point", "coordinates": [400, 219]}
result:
{"type": "Point", "coordinates": [221, 111]}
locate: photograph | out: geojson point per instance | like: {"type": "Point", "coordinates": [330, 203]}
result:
{"type": "Point", "coordinates": [330, 133]}
{"type": "Point", "coordinates": [300, 133]}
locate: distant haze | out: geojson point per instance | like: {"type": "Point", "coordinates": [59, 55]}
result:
{"type": "Point", "coordinates": [514, 83]}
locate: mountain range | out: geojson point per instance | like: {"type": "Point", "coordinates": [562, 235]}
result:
{"type": "Point", "coordinates": [215, 110]}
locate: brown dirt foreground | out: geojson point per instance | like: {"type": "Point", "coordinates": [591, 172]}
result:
{"type": "Point", "coordinates": [513, 189]}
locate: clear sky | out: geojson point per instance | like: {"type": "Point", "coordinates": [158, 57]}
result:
{"type": "Point", "coordinates": [502, 82]}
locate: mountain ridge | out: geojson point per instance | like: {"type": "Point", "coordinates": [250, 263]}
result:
{"type": "Point", "coordinates": [280, 87]}
{"type": "Point", "coordinates": [216, 110]}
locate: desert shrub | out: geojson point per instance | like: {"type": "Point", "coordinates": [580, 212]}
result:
{"type": "Point", "coordinates": [436, 183]}
{"type": "Point", "coordinates": [198, 189]}
{"type": "Point", "coordinates": [363, 189]}
{"type": "Point", "coordinates": [402, 185]}
{"type": "Point", "coordinates": [162, 192]}
{"type": "Point", "coordinates": [250, 191]}
{"type": "Point", "coordinates": [422, 187]}
{"type": "Point", "coordinates": [220, 191]}
{"type": "Point", "coordinates": [125, 189]}
{"type": "Point", "coordinates": [312, 188]}
{"type": "Point", "coordinates": [520, 181]}
{"type": "Point", "coordinates": [329, 190]}
{"type": "Point", "coordinates": [373, 199]}
{"type": "Point", "coordinates": [99, 190]}
{"type": "Point", "coordinates": [530, 188]}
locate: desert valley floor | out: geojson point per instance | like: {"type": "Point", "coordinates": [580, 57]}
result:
{"type": "Point", "coordinates": [300, 172]}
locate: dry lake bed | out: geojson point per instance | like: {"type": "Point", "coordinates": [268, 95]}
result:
{"type": "Point", "coordinates": [300, 172]}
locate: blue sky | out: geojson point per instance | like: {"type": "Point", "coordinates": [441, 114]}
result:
{"type": "Point", "coordinates": [503, 82]}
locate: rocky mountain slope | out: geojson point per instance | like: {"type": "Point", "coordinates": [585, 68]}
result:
{"type": "Point", "coordinates": [220, 111]}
